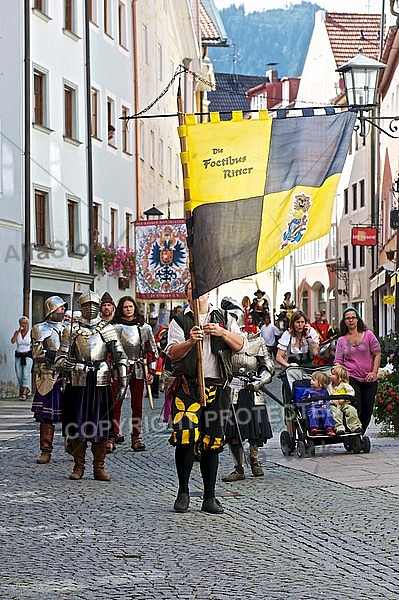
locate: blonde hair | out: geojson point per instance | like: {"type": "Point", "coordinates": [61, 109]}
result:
{"type": "Point", "coordinates": [341, 373]}
{"type": "Point", "coordinates": [23, 319]}
{"type": "Point", "coordinates": [246, 302]}
{"type": "Point", "coordinates": [321, 378]}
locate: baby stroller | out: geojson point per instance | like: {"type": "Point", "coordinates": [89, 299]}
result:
{"type": "Point", "coordinates": [297, 437]}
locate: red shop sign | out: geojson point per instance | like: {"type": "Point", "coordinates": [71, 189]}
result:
{"type": "Point", "coordinates": [364, 236]}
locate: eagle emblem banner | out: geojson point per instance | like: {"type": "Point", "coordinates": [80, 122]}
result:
{"type": "Point", "coordinates": [161, 259]}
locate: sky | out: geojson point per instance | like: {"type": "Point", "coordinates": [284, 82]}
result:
{"type": "Point", "coordinates": [361, 6]}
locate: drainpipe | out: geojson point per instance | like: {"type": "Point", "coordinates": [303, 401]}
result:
{"type": "Point", "coordinates": [89, 143]}
{"type": "Point", "coordinates": [27, 174]}
{"type": "Point", "coordinates": [136, 108]}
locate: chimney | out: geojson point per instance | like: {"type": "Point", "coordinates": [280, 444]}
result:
{"type": "Point", "coordinates": [272, 75]}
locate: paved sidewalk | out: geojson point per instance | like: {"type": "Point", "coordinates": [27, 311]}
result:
{"type": "Point", "coordinates": [304, 531]}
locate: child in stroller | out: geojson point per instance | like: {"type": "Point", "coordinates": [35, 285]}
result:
{"type": "Point", "coordinates": [318, 411]}
{"type": "Point", "coordinates": [341, 406]}
{"type": "Point", "coordinates": [297, 437]}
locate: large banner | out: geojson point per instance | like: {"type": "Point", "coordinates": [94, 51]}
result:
{"type": "Point", "coordinates": [259, 189]}
{"type": "Point", "coordinates": [161, 259]}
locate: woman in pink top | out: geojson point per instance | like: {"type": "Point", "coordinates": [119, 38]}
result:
{"type": "Point", "coordinates": [359, 351]}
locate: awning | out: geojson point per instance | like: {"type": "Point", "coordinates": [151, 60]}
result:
{"type": "Point", "coordinates": [380, 277]}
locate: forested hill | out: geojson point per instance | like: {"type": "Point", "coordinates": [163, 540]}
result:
{"type": "Point", "coordinates": [260, 38]}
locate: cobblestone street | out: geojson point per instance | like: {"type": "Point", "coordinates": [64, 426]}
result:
{"type": "Point", "coordinates": [290, 535]}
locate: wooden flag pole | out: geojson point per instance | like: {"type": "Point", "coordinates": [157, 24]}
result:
{"type": "Point", "coordinates": [187, 216]}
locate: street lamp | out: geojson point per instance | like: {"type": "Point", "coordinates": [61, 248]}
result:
{"type": "Point", "coordinates": [361, 84]}
{"type": "Point", "coordinates": [153, 212]}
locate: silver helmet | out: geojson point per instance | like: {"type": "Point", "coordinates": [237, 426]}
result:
{"type": "Point", "coordinates": [89, 305]}
{"type": "Point", "coordinates": [89, 297]}
{"type": "Point", "coordinates": [52, 304]}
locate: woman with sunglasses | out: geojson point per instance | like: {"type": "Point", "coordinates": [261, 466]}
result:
{"type": "Point", "coordinates": [359, 351]}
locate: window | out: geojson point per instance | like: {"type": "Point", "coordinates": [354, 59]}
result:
{"type": "Point", "coordinates": [362, 256]}
{"type": "Point", "coordinates": [122, 25]}
{"type": "Point", "coordinates": [354, 196]}
{"type": "Point", "coordinates": [318, 249]}
{"type": "Point", "coordinates": [305, 302]}
{"type": "Point", "coordinates": [346, 256]}
{"type": "Point", "coordinates": [177, 170]}
{"type": "Point", "coordinates": [333, 241]}
{"type": "Point", "coordinates": [142, 138]}
{"type": "Point", "coordinates": [69, 112]}
{"type": "Point", "coordinates": [125, 130]}
{"type": "Point", "coordinates": [108, 17]}
{"type": "Point", "coordinates": [160, 75]}
{"type": "Point", "coordinates": [93, 11]}
{"type": "Point", "coordinates": [113, 226]}
{"type": "Point", "coordinates": [346, 201]}
{"type": "Point", "coordinates": [152, 149]}
{"type": "Point", "coordinates": [128, 230]}
{"type": "Point", "coordinates": [362, 193]}
{"type": "Point", "coordinates": [145, 44]}
{"type": "Point", "coordinates": [41, 210]}
{"type": "Point", "coordinates": [73, 230]}
{"type": "Point", "coordinates": [39, 97]}
{"type": "Point", "coordinates": [169, 163]}
{"type": "Point", "coordinates": [40, 5]}
{"type": "Point", "coordinates": [96, 219]}
{"type": "Point", "coordinates": [69, 15]}
{"type": "Point", "coordinates": [110, 122]}
{"type": "Point", "coordinates": [354, 256]}
{"type": "Point", "coordinates": [161, 157]}
{"type": "Point", "coordinates": [95, 96]}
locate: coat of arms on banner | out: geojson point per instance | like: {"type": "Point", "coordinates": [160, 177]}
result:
{"type": "Point", "coordinates": [161, 259]}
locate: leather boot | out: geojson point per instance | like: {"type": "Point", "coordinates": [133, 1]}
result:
{"type": "Point", "coordinates": [46, 443]}
{"type": "Point", "coordinates": [78, 451]}
{"type": "Point", "coordinates": [99, 451]}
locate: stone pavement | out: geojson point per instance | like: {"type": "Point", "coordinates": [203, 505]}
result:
{"type": "Point", "coordinates": [315, 528]}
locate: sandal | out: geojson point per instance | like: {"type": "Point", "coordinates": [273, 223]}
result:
{"type": "Point", "coordinates": [137, 445]}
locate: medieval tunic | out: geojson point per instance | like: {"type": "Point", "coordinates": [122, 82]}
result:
{"type": "Point", "coordinates": [248, 417]}
{"type": "Point", "coordinates": [47, 401]}
{"type": "Point", "coordinates": [192, 423]}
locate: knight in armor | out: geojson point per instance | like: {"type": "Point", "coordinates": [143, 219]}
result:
{"type": "Point", "coordinates": [47, 401]}
{"type": "Point", "coordinates": [248, 417]}
{"type": "Point", "coordinates": [88, 350]}
{"type": "Point", "coordinates": [139, 344]}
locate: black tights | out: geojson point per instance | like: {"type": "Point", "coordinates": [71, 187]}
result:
{"type": "Point", "coordinates": [209, 467]}
{"type": "Point", "coordinates": [184, 459]}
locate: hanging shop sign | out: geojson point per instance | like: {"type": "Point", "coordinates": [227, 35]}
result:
{"type": "Point", "coordinates": [364, 236]}
{"type": "Point", "coordinates": [394, 219]}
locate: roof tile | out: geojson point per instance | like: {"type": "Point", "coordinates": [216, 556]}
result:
{"type": "Point", "coordinates": [349, 33]}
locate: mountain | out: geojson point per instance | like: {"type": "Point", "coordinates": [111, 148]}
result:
{"type": "Point", "coordinates": [259, 40]}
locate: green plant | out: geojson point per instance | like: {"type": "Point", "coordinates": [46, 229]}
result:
{"type": "Point", "coordinates": [116, 262]}
{"type": "Point", "coordinates": [386, 407]}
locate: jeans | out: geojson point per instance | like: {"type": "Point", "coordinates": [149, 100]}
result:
{"type": "Point", "coordinates": [24, 372]}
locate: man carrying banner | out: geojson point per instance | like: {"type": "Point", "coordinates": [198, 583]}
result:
{"type": "Point", "coordinates": [195, 426]}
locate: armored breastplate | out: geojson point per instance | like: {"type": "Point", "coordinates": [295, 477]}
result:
{"type": "Point", "coordinates": [46, 336]}
{"type": "Point", "coordinates": [89, 347]}
{"type": "Point", "coordinates": [130, 339]}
